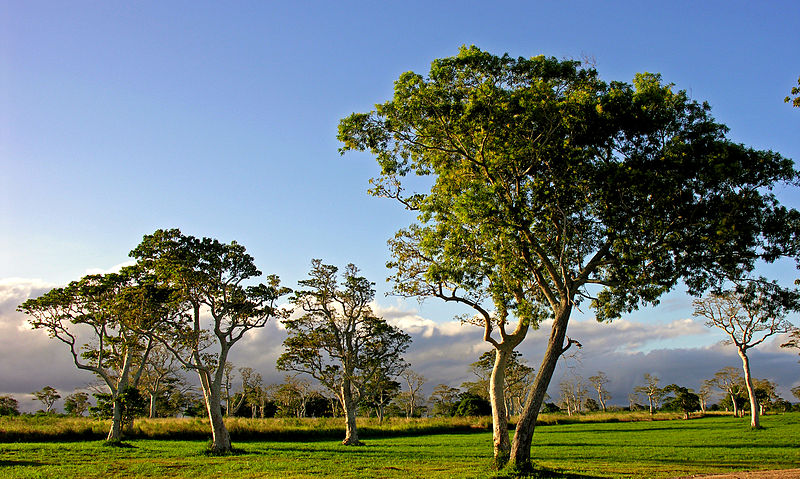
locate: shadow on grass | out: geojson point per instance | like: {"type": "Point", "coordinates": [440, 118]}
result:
{"type": "Point", "coordinates": [12, 463]}
{"type": "Point", "coordinates": [541, 473]}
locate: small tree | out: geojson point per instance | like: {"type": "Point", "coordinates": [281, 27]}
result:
{"type": "Point", "coordinates": [413, 394]}
{"type": "Point", "coordinates": [380, 391]}
{"type": "Point", "coordinates": [444, 400]}
{"type": "Point", "coordinates": [598, 382]}
{"type": "Point", "coordinates": [47, 396]}
{"type": "Point", "coordinates": [748, 314]}
{"type": "Point", "coordinates": [76, 404]}
{"type": "Point", "coordinates": [8, 406]}
{"type": "Point", "coordinates": [684, 399]}
{"type": "Point", "coordinates": [705, 393]}
{"type": "Point", "coordinates": [338, 340]}
{"type": "Point", "coordinates": [730, 381]}
{"type": "Point", "coordinates": [650, 389]}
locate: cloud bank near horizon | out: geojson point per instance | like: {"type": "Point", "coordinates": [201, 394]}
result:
{"type": "Point", "coordinates": [441, 351]}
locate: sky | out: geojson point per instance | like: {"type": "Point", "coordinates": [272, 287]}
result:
{"type": "Point", "coordinates": [220, 118]}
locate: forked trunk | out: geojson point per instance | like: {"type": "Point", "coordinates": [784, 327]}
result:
{"type": "Point", "coordinates": [500, 440]}
{"type": "Point", "coordinates": [523, 437]}
{"type": "Point", "coordinates": [754, 420]}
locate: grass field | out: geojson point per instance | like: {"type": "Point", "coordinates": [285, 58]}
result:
{"type": "Point", "coordinates": [587, 449]}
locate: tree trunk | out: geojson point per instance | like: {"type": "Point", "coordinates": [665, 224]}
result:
{"type": "Point", "coordinates": [500, 440]}
{"type": "Point", "coordinates": [349, 406]}
{"type": "Point", "coordinates": [115, 433]}
{"type": "Point", "coordinates": [735, 406]}
{"type": "Point", "coordinates": [754, 422]}
{"type": "Point", "coordinates": [152, 412]}
{"type": "Point", "coordinates": [220, 438]}
{"type": "Point", "coordinates": [521, 445]}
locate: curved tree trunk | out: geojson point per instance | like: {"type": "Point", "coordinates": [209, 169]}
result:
{"type": "Point", "coordinates": [748, 380]}
{"type": "Point", "coordinates": [500, 440]}
{"type": "Point", "coordinates": [523, 437]}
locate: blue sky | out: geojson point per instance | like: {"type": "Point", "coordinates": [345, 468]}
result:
{"type": "Point", "coordinates": [219, 118]}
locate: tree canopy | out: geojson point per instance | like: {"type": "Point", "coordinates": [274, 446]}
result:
{"type": "Point", "coordinates": [550, 185]}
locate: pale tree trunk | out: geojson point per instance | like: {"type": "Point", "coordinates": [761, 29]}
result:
{"type": "Point", "coordinates": [349, 406]}
{"type": "Point", "coordinates": [500, 440]}
{"type": "Point", "coordinates": [520, 458]}
{"type": "Point", "coordinates": [115, 432]}
{"type": "Point", "coordinates": [152, 412]}
{"type": "Point", "coordinates": [220, 438]}
{"type": "Point", "coordinates": [735, 407]}
{"type": "Point", "coordinates": [754, 421]}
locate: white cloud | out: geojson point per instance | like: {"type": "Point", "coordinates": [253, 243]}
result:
{"type": "Point", "coordinates": [114, 269]}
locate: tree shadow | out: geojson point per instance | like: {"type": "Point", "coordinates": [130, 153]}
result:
{"type": "Point", "coordinates": [11, 463]}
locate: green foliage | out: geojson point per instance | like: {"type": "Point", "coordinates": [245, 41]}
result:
{"type": "Point", "coordinates": [796, 92]}
{"type": "Point", "coordinates": [473, 405]}
{"type": "Point", "coordinates": [76, 403]}
{"type": "Point", "coordinates": [8, 406]}
{"type": "Point", "coordinates": [47, 396]}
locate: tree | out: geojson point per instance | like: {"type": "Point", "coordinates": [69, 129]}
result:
{"type": "Point", "coordinates": [445, 400]}
{"type": "Point", "coordinates": [573, 393]}
{"type": "Point", "coordinates": [413, 395]}
{"type": "Point", "coordinates": [8, 406]}
{"type": "Point", "coordinates": [105, 321]}
{"type": "Point", "coordinates": [76, 404]}
{"type": "Point", "coordinates": [730, 381]}
{"type": "Point", "coordinates": [517, 377]}
{"type": "Point", "coordinates": [292, 395]}
{"type": "Point", "coordinates": [684, 399]}
{"type": "Point", "coordinates": [796, 392]}
{"type": "Point", "coordinates": [794, 340]}
{"type": "Point", "coordinates": [338, 340]}
{"type": "Point", "coordinates": [160, 369]}
{"type": "Point", "coordinates": [380, 391]}
{"type": "Point", "coordinates": [47, 396]}
{"type": "Point", "coordinates": [598, 382]}
{"type": "Point", "coordinates": [549, 186]}
{"type": "Point", "coordinates": [208, 278]}
{"type": "Point", "coordinates": [650, 389]}
{"type": "Point", "coordinates": [748, 314]}
{"type": "Point", "coordinates": [796, 92]}
{"type": "Point", "coordinates": [705, 393]}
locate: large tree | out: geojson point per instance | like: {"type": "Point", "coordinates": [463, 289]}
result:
{"type": "Point", "coordinates": [549, 185]}
{"type": "Point", "coordinates": [212, 305]}
{"type": "Point", "coordinates": [105, 321]}
{"type": "Point", "coordinates": [748, 314]}
{"type": "Point", "coordinates": [338, 340]}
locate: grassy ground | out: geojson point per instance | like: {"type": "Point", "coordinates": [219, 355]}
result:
{"type": "Point", "coordinates": [617, 449]}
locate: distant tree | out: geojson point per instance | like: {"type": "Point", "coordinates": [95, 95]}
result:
{"type": "Point", "coordinates": [413, 394]}
{"type": "Point", "coordinates": [516, 379]}
{"type": "Point", "coordinates": [105, 321]}
{"type": "Point", "coordinates": [794, 340]}
{"type": "Point", "coordinates": [573, 394]}
{"type": "Point", "coordinates": [380, 391]}
{"type": "Point", "coordinates": [207, 277]}
{"type": "Point", "coordinates": [796, 392]}
{"type": "Point", "coordinates": [796, 92]}
{"type": "Point", "coordinates": [47, 396]}
{"type": "Point", "coordinates": [445, 400]}
{"type": "Point", "coordinates": [160, 368]}
{"type": "Point", "coordinates": [749, 314]}
{"type": "Point", "coordinates": [292, 395]}
{"type": "Point", "coordinates": [766, 394]}
{"type": "Point", "coordinates": [591, 405]}
{"type": "Point", "coordinates": [473, 405]}
{"type": "Point", "coordinates": [730, 381]}
{"type": "Point", "coordinates": [76, 404]}
{"type": "Point", "coordinates": [705, 393]}
{"type": "Point", "coordinates": [598, 382]}
{"type": "Point", "coordinates": [652, 391]}
{"type": "Point", "coordinates": [8, 406]}
{"type": "Point", "coordinates": [683, 399]}
{"type": "Point", "coordinates": [338, 340]}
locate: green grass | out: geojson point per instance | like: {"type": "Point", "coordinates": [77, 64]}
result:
{"type": "Point", "coordinates": [586, 449]}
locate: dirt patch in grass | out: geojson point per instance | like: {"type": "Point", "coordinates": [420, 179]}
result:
{"type": "Point", "coordinates": [777, 474]}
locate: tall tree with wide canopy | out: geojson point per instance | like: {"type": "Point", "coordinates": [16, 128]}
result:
{"type": "Point", "coordinates": [749, 313]}
{"type": "Point", "coordinates": [339, 341]}
{"type": "Point", "coordinates": [212, 307]}
{"type": "Point", "coordinates": [105, 321]}
{"type": "Point", "coordinates": [549, 186]}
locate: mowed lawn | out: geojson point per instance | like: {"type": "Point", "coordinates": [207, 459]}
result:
{"type": "Point", "coordinates": [618, 449]}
